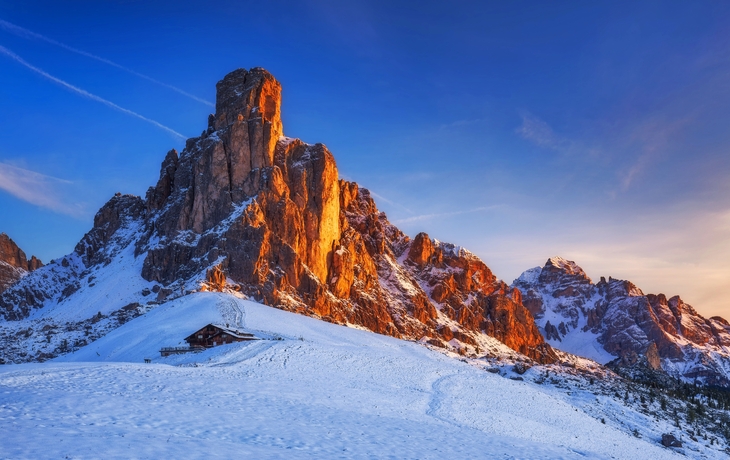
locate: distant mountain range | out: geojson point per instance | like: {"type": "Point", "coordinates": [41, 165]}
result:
{"type": "Point", "coordinates": [615, 321]}
{"type": "Point", "coordinates": [245, 208]}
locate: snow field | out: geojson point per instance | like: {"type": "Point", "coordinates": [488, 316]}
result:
{"type": "Point", "coordinates": [322, 391]}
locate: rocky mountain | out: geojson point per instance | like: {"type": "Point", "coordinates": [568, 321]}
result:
{"type": "Point", "coordinates": [13, 263]}
{"type": "Point", "coordinates": [615, 321]}
{"type": "Point", "coordinates": [243, 207]}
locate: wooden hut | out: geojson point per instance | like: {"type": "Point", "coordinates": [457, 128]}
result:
{"type": "Point", "coordinates": [216, 334]}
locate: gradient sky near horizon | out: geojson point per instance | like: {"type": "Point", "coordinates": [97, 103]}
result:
{"type": "Point", "coordinates": [597, 131]}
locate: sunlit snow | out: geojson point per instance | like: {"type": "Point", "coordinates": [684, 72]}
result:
{"type": "Point", "coordinates": [309, 389]}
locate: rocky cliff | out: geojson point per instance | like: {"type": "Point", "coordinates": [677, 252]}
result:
{"type": "Point", "coordinates": [615, 320]}
{"type": "Point", "coordinates": [242, 207]}
{"type": "Point", "coordinates": [13, 262]}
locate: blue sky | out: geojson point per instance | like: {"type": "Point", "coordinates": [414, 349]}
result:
{"type": "Point", "coordinates": [592, 130]}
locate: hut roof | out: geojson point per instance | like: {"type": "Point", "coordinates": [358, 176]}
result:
{"type": "Point", "coordinates": [237, 333]}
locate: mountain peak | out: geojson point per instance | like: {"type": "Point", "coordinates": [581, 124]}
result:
{"type": "Point", "coordinates": [557, 266]}
{"type": "Point", "coordinates": [11, 254]}
{"type": "Point", "coordinates": [13, 262]}
{"type": "Point", "coordinates": [244, 96]}
{"type": "Point", "coordinates": [271, 215]}
{"type": "Point", "coordinates": [565, 265]}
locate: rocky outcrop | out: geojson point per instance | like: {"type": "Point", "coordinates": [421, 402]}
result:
{"type": "Point", "coordinates": [14, 263]}
{"type": "Point", "coordinates": [242, 207]}
{"type": "Point", "coordinates": [464, 289]}
{"type": "Point", "coordinates": [115, 215]}
{"type": "Point", "coordinates": [616, 316]}
{"type": "Point", "coordinates": [652, 357]}
{"type": "Point", "coordinates": [668, 440]}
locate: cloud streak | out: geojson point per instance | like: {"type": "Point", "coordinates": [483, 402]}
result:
{"type": "Point", "coordinates": [443, 214]}
{"type": "Point", "coordinates": [28, 34]}
{"type": "Point", "coordinates": [390, 202]}
{"type": "Point", "coordinates": [540, 133]}
{"type": "Point", "coordinates": [37, 189]}
{"type": "Point", "coordinates": [87, 94]}
{"type": "Point", "coordinates": [654, 138]}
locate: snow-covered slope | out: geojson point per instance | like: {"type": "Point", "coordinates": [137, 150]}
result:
{"type": "Point", "coordinates": [309, 390]}
{"type": "Point", "coordinates": [614, 319]}
{"type": "Point", "coordinates": [76, 299]}
{"type": "Point", "coordinates": [9, 275]}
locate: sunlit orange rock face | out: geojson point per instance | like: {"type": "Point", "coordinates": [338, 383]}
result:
{"type": "Point", "coordinates": [13, 262]}
{"type": "Point", "coordinates": [215, 280]}
{"type": "Point", "coordinates": [272, 214]}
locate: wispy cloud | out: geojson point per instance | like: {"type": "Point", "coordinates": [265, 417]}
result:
{"type": "Point", "coordinates": [85, 93]}
{"type": "Point", "coordinates": [463, 123]}
{"type": "Point", "coordinates": [444, 214]}
{"type": "Point", "coordinates": [28, 34]}
{"type": "Point", "coordinates": [38, 189]}
{"type": "Point", "coordinates": [540, 133]}
{"type": "Point", "coordinates": [653, 138]}
{"type": "Point", "coordinates": [627, 177]}
{"type": "Point", "coordinates": [390, 202]}
{"type": "Point", "coordinates": [629, 148]}
{"type": "Point", "coordinates": [659, 252]}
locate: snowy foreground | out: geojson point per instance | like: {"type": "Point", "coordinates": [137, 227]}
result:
{"type": "Point", "coordinates": [309, 390]}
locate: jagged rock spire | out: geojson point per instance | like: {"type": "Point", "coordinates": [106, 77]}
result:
{"type": "Point", "coordinates": [248, 103]}
{"type": "Point", "coordinates": [13, 262]}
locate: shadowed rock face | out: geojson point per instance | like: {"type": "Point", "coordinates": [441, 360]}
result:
{"type": "Point", "coordinates": [13, 262]}
{"type": "Point", "coordinates": [627, 323]}
{"type": "Point", "coordinates": [271, 215]}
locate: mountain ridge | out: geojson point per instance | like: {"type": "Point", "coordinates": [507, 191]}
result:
{"type": "Point", "coordinates": [255, 215]}
{"type": "Point", "coordinates": [243, 207]}
{"type": "Point", "coordinates": [614, 321]}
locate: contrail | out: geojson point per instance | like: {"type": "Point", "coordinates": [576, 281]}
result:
{"type": "Point", "coordinates": [80, 91]}
{"type": "Point", "coordinates": [25, 33]}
